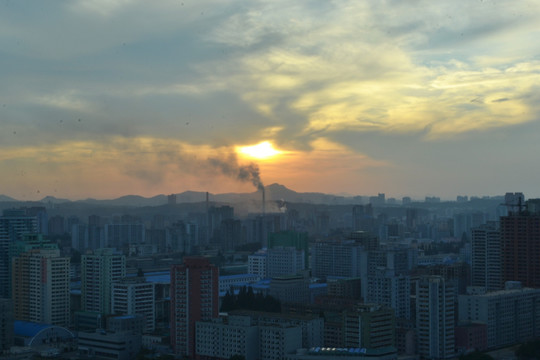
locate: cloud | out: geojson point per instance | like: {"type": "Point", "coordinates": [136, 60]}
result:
{"type": "Point", "coordinates": [364, 75]}
{"type": "Point", "coordinates": [170, 82]}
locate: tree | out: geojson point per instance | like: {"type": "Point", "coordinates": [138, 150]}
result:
{"type": "Point", "coordinates": [228, 302]}
{"type": "Point", "coordinates": [476, 356]}
{"type": "Point", "coordinates": [529, 350]}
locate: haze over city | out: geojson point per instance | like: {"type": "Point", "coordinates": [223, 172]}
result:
{"type": "Point", "coordinates": [104, 98]}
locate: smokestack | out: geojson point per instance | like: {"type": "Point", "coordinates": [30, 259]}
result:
{"type": "Point", "coordinates": [207, 221]}
{"type": "Point", "coordinates": [263, 201]}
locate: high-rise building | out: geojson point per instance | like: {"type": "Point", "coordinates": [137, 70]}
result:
{"type": "Point", "coordinates": [348, 288]}
{"type": "Point", "coordinates": [296, 239]}
{"type": "Point", "coordinates": [386, 288]}
{"type": "Point", "coordinates": [6, 324]}
{"type": "Point", "coordinates": [216, 215]}
{"type": "Point", "coordinates": [229, 234]}
{"type": "Point", "coordinates": [181, 237]}
{"type": "Point", "coordinates": [56, 225]}
{"type": "Point", "coordinates": [486, 257]}
{"type": "Point", "coordinates": [41, 287]}
{"type": "Point", "coordinates": [369, 326]}
{"type": "Point", "coordinates": [337, 259]}
{"type": "Point", "coordinates": [121, 235]}
{"type": "Point", "coordinates": [464, 222]}
{"type": "Point", "coordinates": [384, 269]}
{"type": "Point", "coordinates": [362, 218]}
{"type": "Point", "coordinates": [194, 297]}
{"type": "Point", "coordinates": [13, 224]}
{"type": "Point", "coordinates": [135, 296]}
{"type": "Point", "coordinates": [284, 261]}
{"type": "Point", "coordinates": [435, 318]}
{"type": "Point", "coordinates": [99, 270]}
{"type": "Point", "coordinates": [520, 245]}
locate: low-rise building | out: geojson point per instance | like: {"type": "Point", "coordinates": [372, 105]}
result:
{"type": "Point", "coordinates": [511, 315]}
{"type": "Point", "coordinates": [109, 345]}
{"type": "Point", "coordinates": [257, 335]}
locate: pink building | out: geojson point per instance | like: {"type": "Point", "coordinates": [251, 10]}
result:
{"type": "Point", "coordinates": [471, 337]}
{"type": "Point", "coordinates": [194, 297]}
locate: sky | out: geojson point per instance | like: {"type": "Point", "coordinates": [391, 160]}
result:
{"type": "Point", "coordinates": [104, 98]}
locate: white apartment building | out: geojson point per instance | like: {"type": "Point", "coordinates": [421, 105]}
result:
{"type": "Point", "coordinates": [228, 281]}
{"type": "Point", "coordinates": [99, 270]}
{"type": "Point", "coordinates": [435, 317]}
{"type": "Point", "coordinates": [284, 261]}
{"type": "Point", "coordinates": [249, 336]}
{"type": "Point", "coordinates": [41, 287]}
{"type": "Point", "coordinates": [257, 264]}
{"type": "Point", "coordinates": [222, 340]}
{"type": "Point", "coordinates": [135, 296]}
{"type": "Point", "coordinates": [387, 288]}
{"type": "Point", "coordinates": [511, 315]}
{"type": "Point", "coordinates": [486, 257]}
{"type": "Point", "coordinates": [344, 259]}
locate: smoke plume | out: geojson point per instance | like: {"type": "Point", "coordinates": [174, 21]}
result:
{"type": "Point", "coordinates": [229, 166]}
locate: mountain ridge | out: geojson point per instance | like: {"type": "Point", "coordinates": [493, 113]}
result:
{"type": "Point", "coordinates": [273, 192]}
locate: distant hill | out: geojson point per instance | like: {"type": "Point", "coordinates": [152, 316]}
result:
{"type": "Point", "coordinates": [6, 198]}
{"type": "Point", "coordinates": [53, 200]}
{"type": "Point", "coordinates": [129, 200]}
{"type": "Point", "coordinates": [277, 192]}
{"type": "Point", "coordinates": [273, 192]}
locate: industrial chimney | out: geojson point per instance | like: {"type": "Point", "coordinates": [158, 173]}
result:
{"type": "Point", "coordinates": [263, 201]}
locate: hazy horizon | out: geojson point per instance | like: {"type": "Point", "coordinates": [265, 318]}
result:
{"type": "Point", "coordinates": [105, 98]}
{"type": "Point", "coordinates": [255, 191]}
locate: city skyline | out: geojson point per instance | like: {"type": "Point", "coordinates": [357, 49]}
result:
{"type": "Point", "coordinates": [108, 98]}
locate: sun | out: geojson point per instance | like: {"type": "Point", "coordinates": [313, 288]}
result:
{"type": "Point", "coordinates": [263, 150]}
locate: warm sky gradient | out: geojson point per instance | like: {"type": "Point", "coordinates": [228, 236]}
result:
{"type": "Point", "coordinates": [103, 98]}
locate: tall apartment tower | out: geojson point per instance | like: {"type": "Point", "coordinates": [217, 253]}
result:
{"type": "Point", "coordinates": [362, 218]}
{"type": "Point", "coordinates": [520, 244]}
{"type": "Point", "coordinates": [486, 257]}
{"type": "Point", "coordinates": [135, 296]}
{"type": "Point", "coordinates": [435, 318]}
{"type": "Point", "coordinates": [99, 270]}
{"type": "Point", "coordinates": [387, 288]}
{"type": "Point", "coordinates": [6, 324]}
{"type": "Point", "coordinates": [13, 225]}
{"type": "Point", "coordinates": [41, 287]}
{"type": "Point", "coordinates": [194, 297]}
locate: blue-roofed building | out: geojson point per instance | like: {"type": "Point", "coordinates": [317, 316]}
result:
{"type": "Point", "coordinates": [228, 281]}
{"type": "Point", "coordinates": [344, 353]}
{"type": "Point", "coordinates": [158, 277]}
{"type": "Point", "coordinates": [317, 289]}
{"type": "Point", "coordinates": [36, 335]}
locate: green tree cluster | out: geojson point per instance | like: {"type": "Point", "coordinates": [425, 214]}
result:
{"type": "Point", "coordinates": [476, 356]}
{"type": "Point", "coordinates": [529, 350]}
{"type": "Point", "coordinates": [248, 300]}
